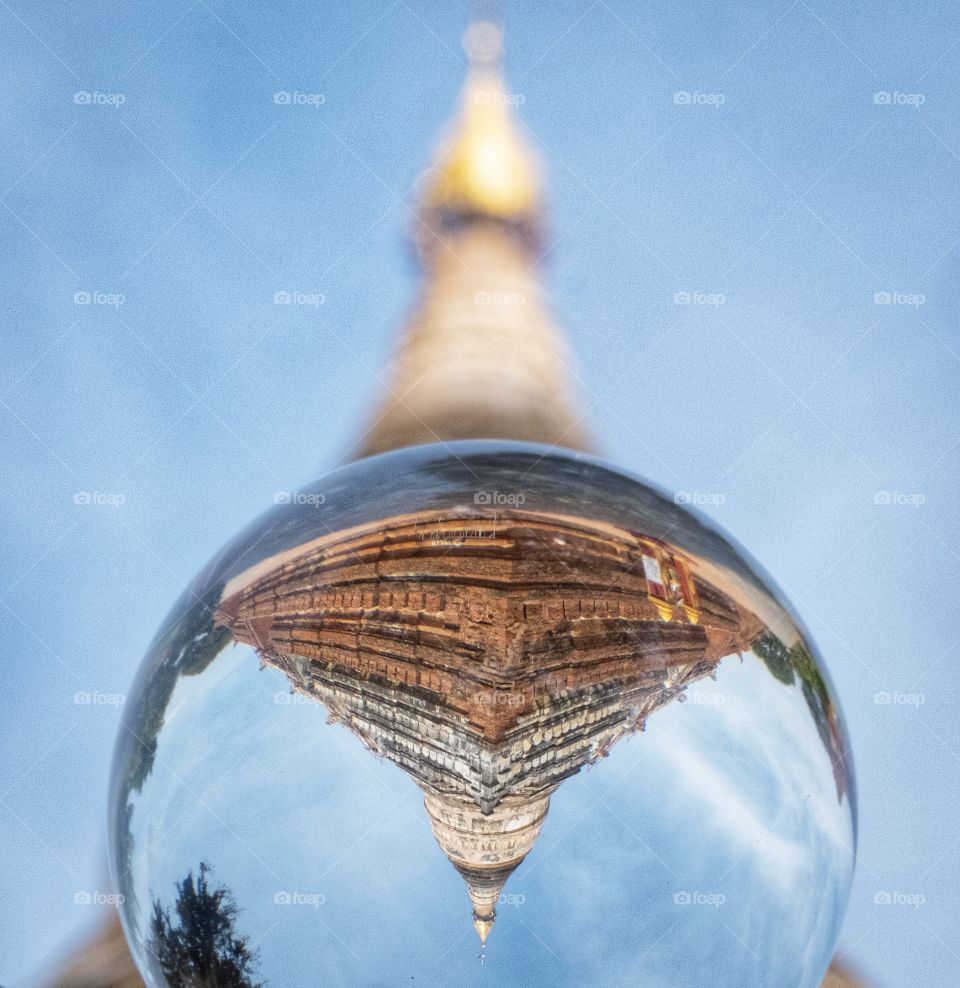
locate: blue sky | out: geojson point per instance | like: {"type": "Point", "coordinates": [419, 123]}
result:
{"type": "Point", "coordinates": [291, 804]}
{"type": "Point", "coordinates": [797, 404]}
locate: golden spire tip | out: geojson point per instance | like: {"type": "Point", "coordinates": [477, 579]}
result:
{"type": "Point", "coordinates": [485, 167]}
{"type": "Point", "coordinates": [483, 925]}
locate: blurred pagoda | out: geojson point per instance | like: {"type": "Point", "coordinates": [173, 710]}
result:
{"type": "Point", "coordinates": [480, 357]}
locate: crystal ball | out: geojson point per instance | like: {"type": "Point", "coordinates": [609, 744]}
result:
{"type": "Point", "coordinates": [482, 714]}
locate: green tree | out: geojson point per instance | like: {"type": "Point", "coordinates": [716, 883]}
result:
{"type": "Point", "coordinates": [775, 656]}
{"type": "Point", "coordinates": [815, 693]}
{"type": "Point", "coordinates": [186, 649]}
{"type": "Point", "coordinates": [201, 948]}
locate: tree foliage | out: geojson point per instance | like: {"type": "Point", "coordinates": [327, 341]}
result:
{"type": "Point", "coordinates": [197, 945]}
{"type": "Point", "coordinates": [775, 656]}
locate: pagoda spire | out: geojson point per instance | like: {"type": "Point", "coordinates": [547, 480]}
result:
{"type": "Point", "coordinates": [480, 357]}
{"type": "Point", "coordinates": [486, 166]}
{"type": "Point", "coordinates": [485, 848]}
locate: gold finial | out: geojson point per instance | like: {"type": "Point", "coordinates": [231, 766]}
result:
{"type": "Point", "coordinates": [485, 168]}
{"type": "Point", "coordinates": [483, 926]}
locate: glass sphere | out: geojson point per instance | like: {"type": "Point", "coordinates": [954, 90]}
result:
{"type": "Point", "coordinates": [482, 714]}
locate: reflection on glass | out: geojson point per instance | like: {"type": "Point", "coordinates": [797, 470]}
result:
{"type": "Point", "coordinates": [200, 945]}
{"type": "Point", "coordinates": [489, 621]}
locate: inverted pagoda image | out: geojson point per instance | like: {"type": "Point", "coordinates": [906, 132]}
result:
{"type": "Point", "coordinates": [490, 657]}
